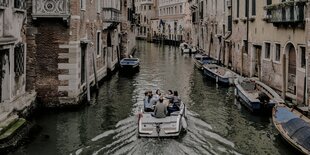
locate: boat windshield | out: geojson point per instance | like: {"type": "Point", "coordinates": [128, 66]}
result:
{"type": "Point", "coordinates": [130, 59]}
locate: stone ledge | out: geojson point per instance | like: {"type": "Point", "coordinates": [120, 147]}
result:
{"type": "Point", "coordinates": [12, 129]}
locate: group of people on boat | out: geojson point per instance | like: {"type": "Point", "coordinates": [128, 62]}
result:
{"type": "Point", "coordinates": [161, 105]}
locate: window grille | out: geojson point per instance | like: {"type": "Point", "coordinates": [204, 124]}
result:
{"type": "Point", "coordinates": [19, 59]}
{"type": "Point", "coordinates": [19, 4]}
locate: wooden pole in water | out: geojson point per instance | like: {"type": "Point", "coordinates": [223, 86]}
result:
{"type": "Point", "coordinates": [306, 82]}
{"type": "Point", "coordinates": [95, 70]}
{"type": "Point", "coordinates": [284, 76]}
{"type": "Point", "coordinates": [87, 76]}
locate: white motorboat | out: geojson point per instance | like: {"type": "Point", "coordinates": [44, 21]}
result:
{"type": "Point", "coordinates": [170, 126]}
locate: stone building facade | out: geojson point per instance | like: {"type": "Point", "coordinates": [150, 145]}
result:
{"type": "Point", "coordinates": [145, 12]}
{"type": "Point", "coordinates": [12, 50]}
{"type": "Point", "coordinates": [73, 44]}
{"type": "Point", "coordinates": [15, 100]}
{"type": "Point", "coordinates": [174, 19]}
{"type": "Point", "coordinates": [263, 39]}
{"type": "Point", "coordinates": [211, 26]}
{"type": "Point", "coordinates": [128, 28]}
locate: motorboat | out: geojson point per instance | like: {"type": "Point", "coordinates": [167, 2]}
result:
{"type": "Point", "coordinates": [220, 74]}
{"type": "Point", "coordinates": [130, 64]}
{"type": "Point", "coordinates": [189, 50]}
{"type": "Point", "coordinates": [170, 126]}
{"type": "Point", "coordinates": [202, 59]}
{"type": "Point", "coordinates": [255, 95]}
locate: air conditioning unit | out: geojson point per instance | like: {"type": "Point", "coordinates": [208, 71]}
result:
{"type": "Point", "coordinates": [228, 2]}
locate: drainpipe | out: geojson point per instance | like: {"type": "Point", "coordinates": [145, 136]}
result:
{"type": "Point", "coordinates": [306, 82]}
{"type": "Point", "coordinates": [247, 32]}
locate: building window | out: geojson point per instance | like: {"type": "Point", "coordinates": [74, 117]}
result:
{"type": "Point", "coordinates": [302, 57]}
{"type": "Point", "coordinates": [181, 9]}
{"type": "Point", "coordinates": [267, 50]}
{"type": "Point", "coordinates": [229, 24]}
{"type": "Point", "coordinates": [246, 8]}
{"type": "Point", "coordinates": [98, 43]}
{"type": "Point", "coordinates": [19, 59]}
{"type": "Point", "coordinates": [83, 4]}
{"type": "Point", "coordinates": [98, 6]}
{"type": "Point", "coordinates": [253, 7]}
{"type": "Point", "coordinates": [245, 47]}
{"type": "Point", "coordinates": [269, 2]}
{"type": "Point", "coordinates": [201, 10]}
{"type": "Point", "coordinates": [278, 53]}
{"type": "Point", "coordinates": [18, 4]}
{"type": "Point", "coordinates": [238, 2]}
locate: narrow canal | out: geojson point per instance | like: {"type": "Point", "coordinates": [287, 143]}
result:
{"type": "Point", "coordinates": [217, 124]}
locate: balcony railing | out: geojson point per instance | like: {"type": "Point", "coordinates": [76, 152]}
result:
{"type": "Point", "coordinates": [286, 12]}
{"type": "Point", "coordinates": [4, 3]}
{"type": "Point", "coordinates": [50, 9]}
{"type": "Point", "coordinates": [147, 2]}
{"type": "Point", "coordinates": [111, 15]}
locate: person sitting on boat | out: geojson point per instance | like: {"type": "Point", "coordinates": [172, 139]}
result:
{"type": "Point", "coordinates": [157, 95]}
{"type": "Point", "coordinates": [160, 110]}
{"type": "Point", "coordinates": [149, 102]}
{"type": "Point", "coordinates": [169, 96]}
{"type": "Point", "coordinates": [176, 102]}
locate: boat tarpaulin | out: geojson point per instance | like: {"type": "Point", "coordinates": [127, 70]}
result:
{"type": "Point", "coordinates": [299, 131]}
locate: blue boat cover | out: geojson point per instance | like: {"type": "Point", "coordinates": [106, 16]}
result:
{"type": "Point", "coordinates": [299, 131]}
{"type": "Point", "coordinates": [284, 114]}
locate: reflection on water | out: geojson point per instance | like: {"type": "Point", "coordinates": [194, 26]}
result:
{"type": "Point", "coordinates": [217, 124]}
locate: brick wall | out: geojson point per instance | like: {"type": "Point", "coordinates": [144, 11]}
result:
{"type": "Point", "coordinates": [51, 34]}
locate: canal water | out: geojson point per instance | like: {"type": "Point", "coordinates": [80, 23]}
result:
{"type": "Point", "coordinates": [217, 124]}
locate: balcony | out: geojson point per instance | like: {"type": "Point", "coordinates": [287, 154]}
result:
{"type": "Point", "coordinates": [286, 13]}
{"type": "Point", "coordinates": [50, 9]}
{"type": "Point", "coordinates": [111, 15]}
{"type": "Point", "coordinates": [4, 3]}
{"type": "Point", "coordinates": [146, 2]}
{"type": "Point", "coordinates": [111, 11]}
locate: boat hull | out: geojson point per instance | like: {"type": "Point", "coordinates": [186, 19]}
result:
{"type": "Point", "coordinates": [129, 65]}
{"type": "Point", "coordinates": [285, 120]}
{"type": "Point", "coordinates": [170, 126]}
{"type": "Point", "coordinates": [252, 106]}
{"type": "Point", "coordinates": [219, 79]}
{"type": "Point", "coordinates": [253, 103]}
{"type": "Point", "coordinates": [198, 64]}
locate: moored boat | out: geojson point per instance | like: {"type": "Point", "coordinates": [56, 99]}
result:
{"type": "Point", "coordinates": [202, 59]}
{"type": "Point", "coordinates": [222, 75]}
{"type": "Point", "coordinates": [189, 50]}
{"type": "Point", "coordinates": [170, 126]}
{"type": "Point", "coordinates": [130, 64]}
{"type": "Point", "coordinates": [293, 127]}
{"type": "Point", "coordinates": [255, 95]}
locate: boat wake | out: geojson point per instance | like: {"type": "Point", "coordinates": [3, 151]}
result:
{"type": "Point", "coordinates": [199, 139]}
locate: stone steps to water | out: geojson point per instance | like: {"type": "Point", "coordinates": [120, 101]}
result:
{"type": "Point", "coordinates": [7, 123]}
{"type": "Point", "coordinates": [12, 129]}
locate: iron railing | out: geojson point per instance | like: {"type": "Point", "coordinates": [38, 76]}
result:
{"type": "Point", "coordinates": [286, 12]}
{"type": "Point", "coordinates": [4, 3]}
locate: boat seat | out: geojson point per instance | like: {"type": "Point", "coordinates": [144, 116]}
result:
{"type": "Point", "coordinates": [175, 113]}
